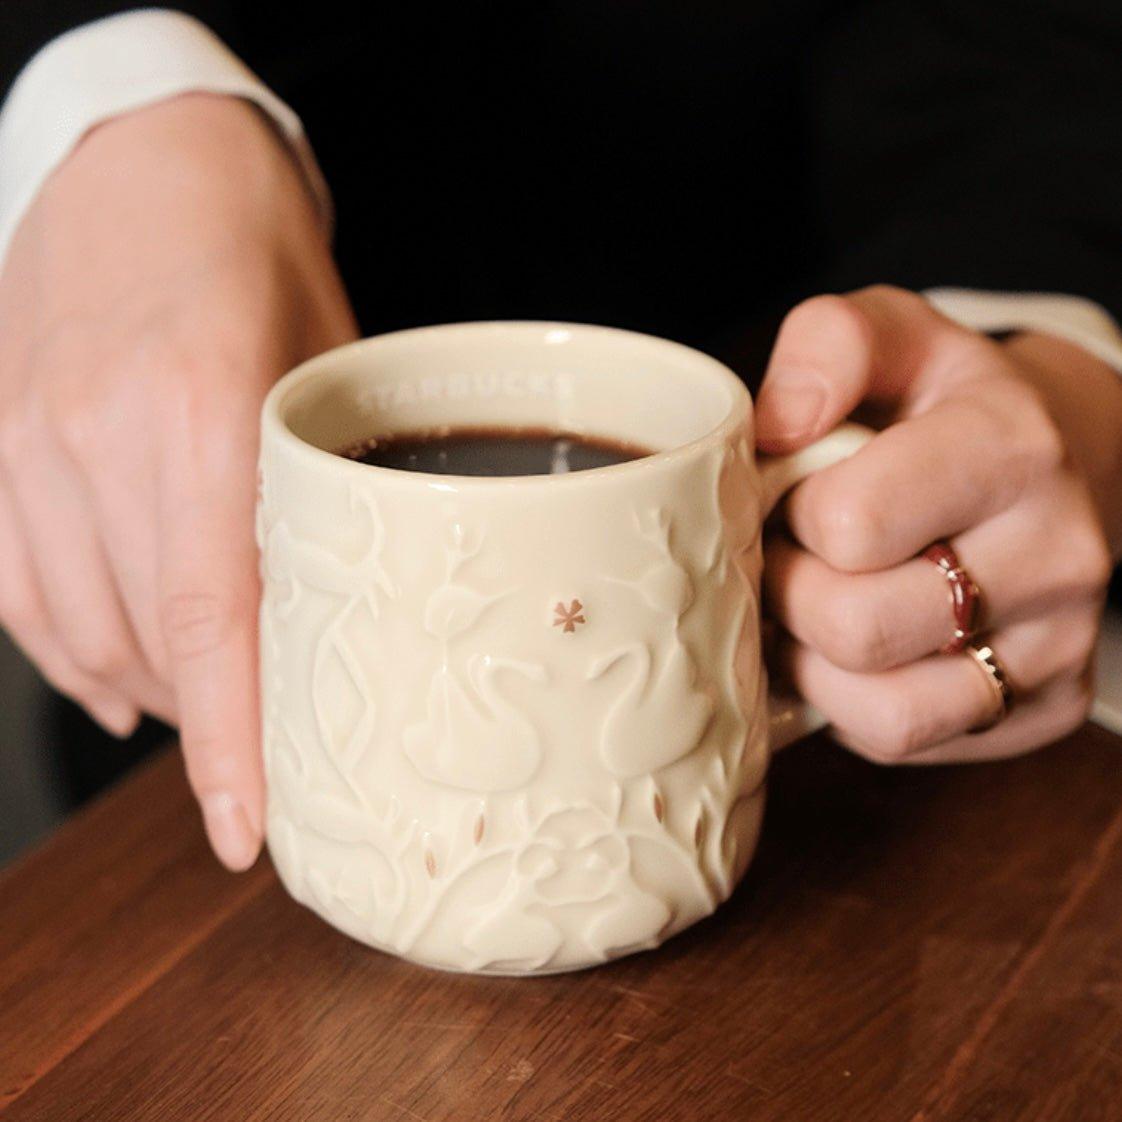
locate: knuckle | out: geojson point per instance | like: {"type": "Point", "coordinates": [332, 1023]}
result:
{"type": "Point", "coordinates": [196, 408]}
{"type": "Point", "coordinates": [893, 294]}
{"type": "Point", "coordinates": [100, 653]}
{"type": "Point", "coordinates": [77, 426]}
{"type": "Point", "coordinates": [847, 528]}
{"type": "Point", "coordinates": [854, 634]}
{"type": "Point", "coordinates": [90, 407]}
{"type": "Point", "coordinates": [1088, 553]}
{"type": "Point", "coordinates": [895, 728]}
{"type": "Point", "coordinates": [195, 623]}
{"type": "Point", "coordinates": [969, 355]}
{"type": "Point", "coordinates": [1080, 638]}
{"type": "Point", "coordinates": [1041, 437]}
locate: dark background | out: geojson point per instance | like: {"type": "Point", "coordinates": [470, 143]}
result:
{"type": "Point", "coordinates": [689, 168]}
{"type": "Point", "coordinates": [685, 169]}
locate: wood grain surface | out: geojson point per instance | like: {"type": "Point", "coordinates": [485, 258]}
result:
{"type": "Point", "coordinates": [910, 945]}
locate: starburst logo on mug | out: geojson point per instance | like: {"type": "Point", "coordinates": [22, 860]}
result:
{"type": "Point", "coordinates": [568, 618]}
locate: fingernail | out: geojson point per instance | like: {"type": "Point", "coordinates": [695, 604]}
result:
{"type": "Point", "coordinates": [231, 836]}
{"type": "Point", "coordinates": [790, 404]}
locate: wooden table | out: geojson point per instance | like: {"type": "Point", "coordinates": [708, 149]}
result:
{"type": "Point", "coordinates": [909, 944]}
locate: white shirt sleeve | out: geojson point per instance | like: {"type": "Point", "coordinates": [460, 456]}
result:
{"type": "Point", "coordinates": [109, 67]}
{"type": "Point", "coordinates": [1072, 318]}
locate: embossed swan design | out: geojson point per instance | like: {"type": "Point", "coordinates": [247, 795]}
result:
{"type": "Point", "coordinates": [289, 560]}
{"type": "Point", "coordinates": [653, 722]}
{"type": "Point", "coordinates": [474, 738]}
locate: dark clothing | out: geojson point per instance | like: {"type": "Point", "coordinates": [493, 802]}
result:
{"type": "Point", "coordinates": [683, 168]}
{"type": "Point", "coordinates": [690, 169]}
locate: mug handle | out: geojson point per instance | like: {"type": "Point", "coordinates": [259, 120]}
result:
{"type": "Point", "coordinates": [790, 718]}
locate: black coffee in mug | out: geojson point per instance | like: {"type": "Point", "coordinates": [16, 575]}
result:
{"type": "Point", "coordinates": [493, 451]}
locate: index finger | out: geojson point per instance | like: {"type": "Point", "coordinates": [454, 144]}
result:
{"type": "Point", "coordinates": [968, 437]}
{"type": "Point", "coordinates": [208, 608]}
{"type": "Point", "coordinates": [925, 478]}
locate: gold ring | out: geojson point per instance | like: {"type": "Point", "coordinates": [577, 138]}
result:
{"type": "Point", "coordinates": [998, 681]}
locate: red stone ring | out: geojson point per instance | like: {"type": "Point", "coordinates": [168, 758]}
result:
{"type": "Point", "coordinates": [966, 598]}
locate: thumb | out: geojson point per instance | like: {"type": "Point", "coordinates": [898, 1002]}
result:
{"type": "Point", "coordinates": [820, 369]}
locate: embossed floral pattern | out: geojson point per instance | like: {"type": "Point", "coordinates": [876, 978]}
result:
{"type": "Point", "coordinates": [574, 855]}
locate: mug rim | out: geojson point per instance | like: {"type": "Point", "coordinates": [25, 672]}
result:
{"type": "Point", "coordinates": [275, 425]}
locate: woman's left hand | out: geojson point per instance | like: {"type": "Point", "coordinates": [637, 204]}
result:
{"type": "Point", "coordinates": [1010, 451]}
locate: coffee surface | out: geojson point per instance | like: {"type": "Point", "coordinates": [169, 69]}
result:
{"type": "Point", "coordinates": [493, 451]}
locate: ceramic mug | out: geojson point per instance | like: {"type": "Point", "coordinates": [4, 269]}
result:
{"type": "Point", "coordinates": [516, 725]}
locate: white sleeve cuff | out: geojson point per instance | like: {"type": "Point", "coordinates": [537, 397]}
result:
{"type": "Point", "coordinates": [109, 67]}
{"type": "Point", "coordinates": [1072, 318]}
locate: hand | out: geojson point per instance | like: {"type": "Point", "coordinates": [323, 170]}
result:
{"type": "Point", "coordinates": [167, 274]}
{"type": "Point", "coordinates": [1013, 452]}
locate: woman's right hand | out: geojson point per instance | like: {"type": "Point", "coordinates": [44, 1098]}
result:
{"type": "Point", "coordinates": [166, 275]}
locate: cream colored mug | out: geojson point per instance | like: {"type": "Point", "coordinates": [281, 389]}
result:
{"type": "Point", "coordinates": [516, 725]}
